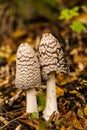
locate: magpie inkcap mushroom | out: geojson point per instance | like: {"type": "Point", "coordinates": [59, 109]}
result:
{"type": "Point", "coordinates": [28, 74]}
{"type": "Point", "coordinates": [52, 59]}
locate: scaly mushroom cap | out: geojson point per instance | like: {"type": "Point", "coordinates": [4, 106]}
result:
{"type": "Point", "coordinates": [51, 56]}
{"type": "Point", "coordinates": [27, 68]}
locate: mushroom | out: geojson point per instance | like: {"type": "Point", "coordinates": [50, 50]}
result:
{"type": "Point", "coordinates": [51, 59]}
{"type": "Point", "coordinates": [28, 75]}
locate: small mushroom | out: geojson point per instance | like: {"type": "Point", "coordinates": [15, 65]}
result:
{"type": "Point", "coordinates": [51, 59]}
{"type": "Point", "coordinates": [28, 75]}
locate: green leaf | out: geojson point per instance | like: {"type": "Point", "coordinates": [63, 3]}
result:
{"type": "Point", "coordinates": [67, 14]}
{"type": "Point", "coordinates": [33, 115]}
{"type": "Point", "coordinates": [77, 26]}
{"type": "Point", "coordinates": [41, 101]}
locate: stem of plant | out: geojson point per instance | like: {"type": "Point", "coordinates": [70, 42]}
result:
{"type": "Point", "coordinates": [31, 101]}
{"type": "Point", "coordinates": [51, 101]}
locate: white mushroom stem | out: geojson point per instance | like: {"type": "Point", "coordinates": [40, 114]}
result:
{"type": "Point", "coordinates": [51, 101]}
{"type": "Point", "coordinates": [31, 101]}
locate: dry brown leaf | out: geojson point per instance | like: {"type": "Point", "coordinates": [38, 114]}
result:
{"type": "Point", "coordinates": [81, 17]}
{"type": "Point", "coordinates": [59, 91]}
{"type": "Point", "coordinates": [30, 40]}
{"type": "Point", "coordinates": [85, 110]}
{"type": "Point", "coordinates": [30, 123]}
{"type": "Point", "coordinates": [74, 92]}
{"type": "Point", "coordinates": [80, 113]}
{"type": "Point", "coordinates": [62, 79]}
{"type": "Point", "coordinates": [77, 124]}
{"type": "Point", "coordinates": [70, 119]}
{"type": "Point", "coordinates": [12, 58]}
{"type": "Point", "coordinates": [3, 82]}
{"type": "Point", "coordinates": [19, 33]}
{"type": "Point", "coordinates": [5, 51]}
{"type": "Point", "coordinates": [78, 94]}
{"type": "Point", "coordinates": [80, 59]}
{"type": "Point", "coordinates": [8, 41]}
{"type": "Point", "coordinates": [81, 66]}
{"type": "Point", "coordinates": [62, 128]}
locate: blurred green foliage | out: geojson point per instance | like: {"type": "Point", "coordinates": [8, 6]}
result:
{"type": "Point", "coordinates": [41, 101]}
{"type": "Point", "coordinates": [77, 26]}
{"type": "Point", "coordinates": [51, 10]}
{"type": "Point", "coordinates": [67, 14]}
{"type": "Point", "coordinates": [33, 8]}
{"type": "Point", "coordinates": [45, 8]}
{"type": "Point", "coordinates": [33, 115]}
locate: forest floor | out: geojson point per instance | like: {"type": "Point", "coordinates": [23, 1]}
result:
{"type": "Point", "coordinates": [71, 89]}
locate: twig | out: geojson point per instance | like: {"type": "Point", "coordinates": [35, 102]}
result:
{"type": "Point", "coordinates": [11, 101]}
{"type": "Point", "coordinates": [24, 115]}
{"type": "Point", "coordinates": [20, 109]}
{"type": "Point", "coordinates": [9, 122]}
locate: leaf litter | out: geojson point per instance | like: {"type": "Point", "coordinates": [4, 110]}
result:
{"type": "Point", "coordinates": [71, 90]}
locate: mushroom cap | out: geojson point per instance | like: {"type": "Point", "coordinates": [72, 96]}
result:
{"type": "Point", "coordinates": [51, 56]}
{"type": "Point", "coordinates": [27, 68]}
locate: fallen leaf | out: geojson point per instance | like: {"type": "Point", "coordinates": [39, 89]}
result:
{"type": "Point", "coordinates": [70, 119]}
{"type": "Point", "coordinates": [80, 59]}
{"type": "Point", "coordinates": [59, 91]}
{"type": "Point", "coordinates": [77, 124]}
{"type": "Point", "coordinates": [80, 113]}
{"type": "Point", "coordinates": [30, 123]}
{"type": "Point", "coordinates": [79, 95]}
{"type": "Point", "coordinates": [62, 128]}
{"type": "Point", "coordinates": [19, 33]}
{"type": "Point", "coordinates": [12, 58]}
{"type": "Point", "coordinates": [81, 17]}
{"type": "Point", "coordinates": [85, 110]}
{"type": "Point", "coordinates": [3, 82]}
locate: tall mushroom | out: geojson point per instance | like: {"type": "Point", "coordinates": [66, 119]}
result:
{"type": "Point", "coordinates": [28, 75]}
{"type": "Point", "coordinates": [51, 59]}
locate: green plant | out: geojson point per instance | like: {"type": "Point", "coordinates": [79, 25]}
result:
{"type": "Point", "coordinates": [68, 14]}
{"type": "Point", "coordinates": [41, 101]}
{"type": "Point", "coordinates": [33, 115]}
{"type": "Point", "coordinates": [77, 26]}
